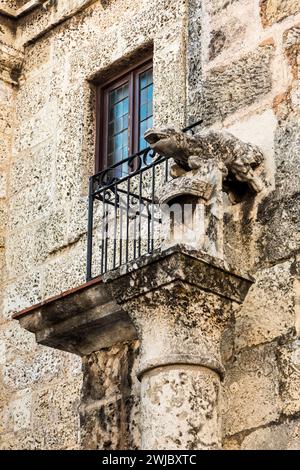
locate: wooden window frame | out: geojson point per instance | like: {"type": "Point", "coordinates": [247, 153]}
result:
{"type": "Point", "coordinates": [132, 76]}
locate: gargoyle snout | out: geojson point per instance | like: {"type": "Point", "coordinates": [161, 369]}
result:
{"type": "Point", "coordinates": [152, 136]}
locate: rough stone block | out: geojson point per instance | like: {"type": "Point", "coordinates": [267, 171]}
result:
{"type": "Point", "coordinates": [49, 435]}
{"type": "Point", "coordinates": [229, 88]}
{"type": "Point", "coordinates": [31, 204]}
{"type": "Point", "coordinates": [51, 234]}
{"type": "Point", "coordinates": [19, 410]}
{"type": "Point", "coordinates": [251, 390]}
{"type": "Point", "coordinates": [3, 214]}
{"type": "Point", "coordinates": [231, 27]}
{"type": "Point", "coordinates": [57, 404]}
{"type": "Point", "coordinates": [272, 11]}
{"type": "Point", "coordinates": [35, 93]}
{"type": "Point", "coordinates": [69, 170]}
{"type": "Point", "coordinates": [20, 251]}
{"type": "Point", "coordinates": [214, 6]}
{"type": "Point", "coordinates": [287, 147]}
{"type": "Point", "coordinates": [22, 440]}
{"type": "Point", "coordinates": [24, 371]}
{"type": "Point", "coordinates": [289, 366]}
{"type": "Point", "coordinates": [5, 120]}
{"type": "Point", "coordinates": [78, 214]}
{"type": "Point", "coordinates": [284, 436]}
{"type": "Point", "coordinates": [280, 227]}
{"type": "Point", "coordinates": [5, 147]}
{"type": "Point", "coordinates": [60, 435]}
{"type": "Point", "coordinates": [169, 106]}
{"type": "Point", "coordinates": [23, 293]}
{"type": "Point", "coordinates": [66, 271]}
{"type": "Point", "coordinates": [33, 168]}
{"type": "Point", "coordinates": [15, 340]}
{"type": "Point", "coordinates": [38, 58]}
{"type": "Point", "coordinates": [269, 308]}
{"type": "Point", "coordinates": [6, 93]}
{"type": "Point", "coordinates": [2, 184]}
{"type": "Point", "coordinates": [37, 129]}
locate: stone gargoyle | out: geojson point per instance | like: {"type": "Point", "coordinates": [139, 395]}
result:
{"type": "Point", "coordinates": [235, 158]}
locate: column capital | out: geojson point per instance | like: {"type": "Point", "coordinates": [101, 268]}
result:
{"type": "Point", "coordinates": [178, 263]}
{"type": "Point", "coordinates": [180, 301]}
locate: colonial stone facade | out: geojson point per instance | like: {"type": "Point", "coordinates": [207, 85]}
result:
{"type": "Point", "coordinates": [195, 347]}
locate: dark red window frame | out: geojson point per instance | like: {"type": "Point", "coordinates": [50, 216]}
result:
{"type": "Point", "coordinates": [131, 76]}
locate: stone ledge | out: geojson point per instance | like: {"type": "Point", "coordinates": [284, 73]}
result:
{"type": "Point", "coordinates": [91, 317]}
{"type": "Point", "coordinates": [81, 320]}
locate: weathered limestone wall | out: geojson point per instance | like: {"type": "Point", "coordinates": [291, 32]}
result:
{"type": "Point", "coordinates": [53, 154]}
{"type": "Point", "coordinates": [234, 63]}
{"type": "Point", "coordinates": [251, 87]}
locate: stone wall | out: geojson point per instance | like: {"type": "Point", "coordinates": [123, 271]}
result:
{"type": "Point", "coordinates": [251, 87]}
{"type": "Point", "coordinates": [66, 46]}
{"type": "Point", "coordinates": [233, 63]}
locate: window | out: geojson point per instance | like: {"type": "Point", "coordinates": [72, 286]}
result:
{"type": "Point", "coordinates": [126, 112]}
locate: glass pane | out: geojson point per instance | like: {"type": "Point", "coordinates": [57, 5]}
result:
{"type": "Point", "coordinates": [146, 106]}
{"type": "Point", "coordinates": [144, 111]}
{"type": "Point", "coordinates": [146, 78]}
{"type": "Point", "coordinates": [144, 96]}
{"type": "Point", "coordinates": [147, 124]}
{"type": "Point", "coordinates": [118, 125]}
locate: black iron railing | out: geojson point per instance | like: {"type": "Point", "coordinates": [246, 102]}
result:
{"type": "Point", "coordinates": [124, 214]}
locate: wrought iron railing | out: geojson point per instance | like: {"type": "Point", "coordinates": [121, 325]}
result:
{"type": "Point", "coordinates": [124, 214]}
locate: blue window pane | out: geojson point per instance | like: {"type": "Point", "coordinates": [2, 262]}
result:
{"type": "Point", "coordinates": [143, 127]}
{"type": "Point", "coordinates": [149, 122]}
{"type": "Point", "coordinates": [119, 109]}
{"type": "Point", "coordinates": [118, 123]}
{"type": "Point", "coordinates": [124, 139]}
{"type": "Point", "coordinates": [150, 93]}
{"type": "Point", "coordinates": [146, 106]}
{"type": "Point", "coordinates": [144, 96]}
{"type": "Point", "coordinates": [144, 111]}
{"type": "Point", "coordinates": [125, 152]}
{"type": "Point", "coordinates": [143, 80]}
{"type": "Point", "coordinates": [146, 78]}
{"type": "Point", "coordinates": [118, 141]}
{"type": "Point", "coordinates": [125, 105]}
{"type": "Point", "coordinates": [125, 121]}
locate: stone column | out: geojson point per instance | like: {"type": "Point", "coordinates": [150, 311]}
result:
{"type": "Point", "coordinates": [180, 304]}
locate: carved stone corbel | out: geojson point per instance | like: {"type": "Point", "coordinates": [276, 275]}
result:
{"type": "Point", "coordinates": [185, 218]}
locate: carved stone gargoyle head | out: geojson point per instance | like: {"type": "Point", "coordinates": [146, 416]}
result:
{"type": "Point", "coordinates": [235, 158]}
{"type": "Point", "coordinates": [169, 142]}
